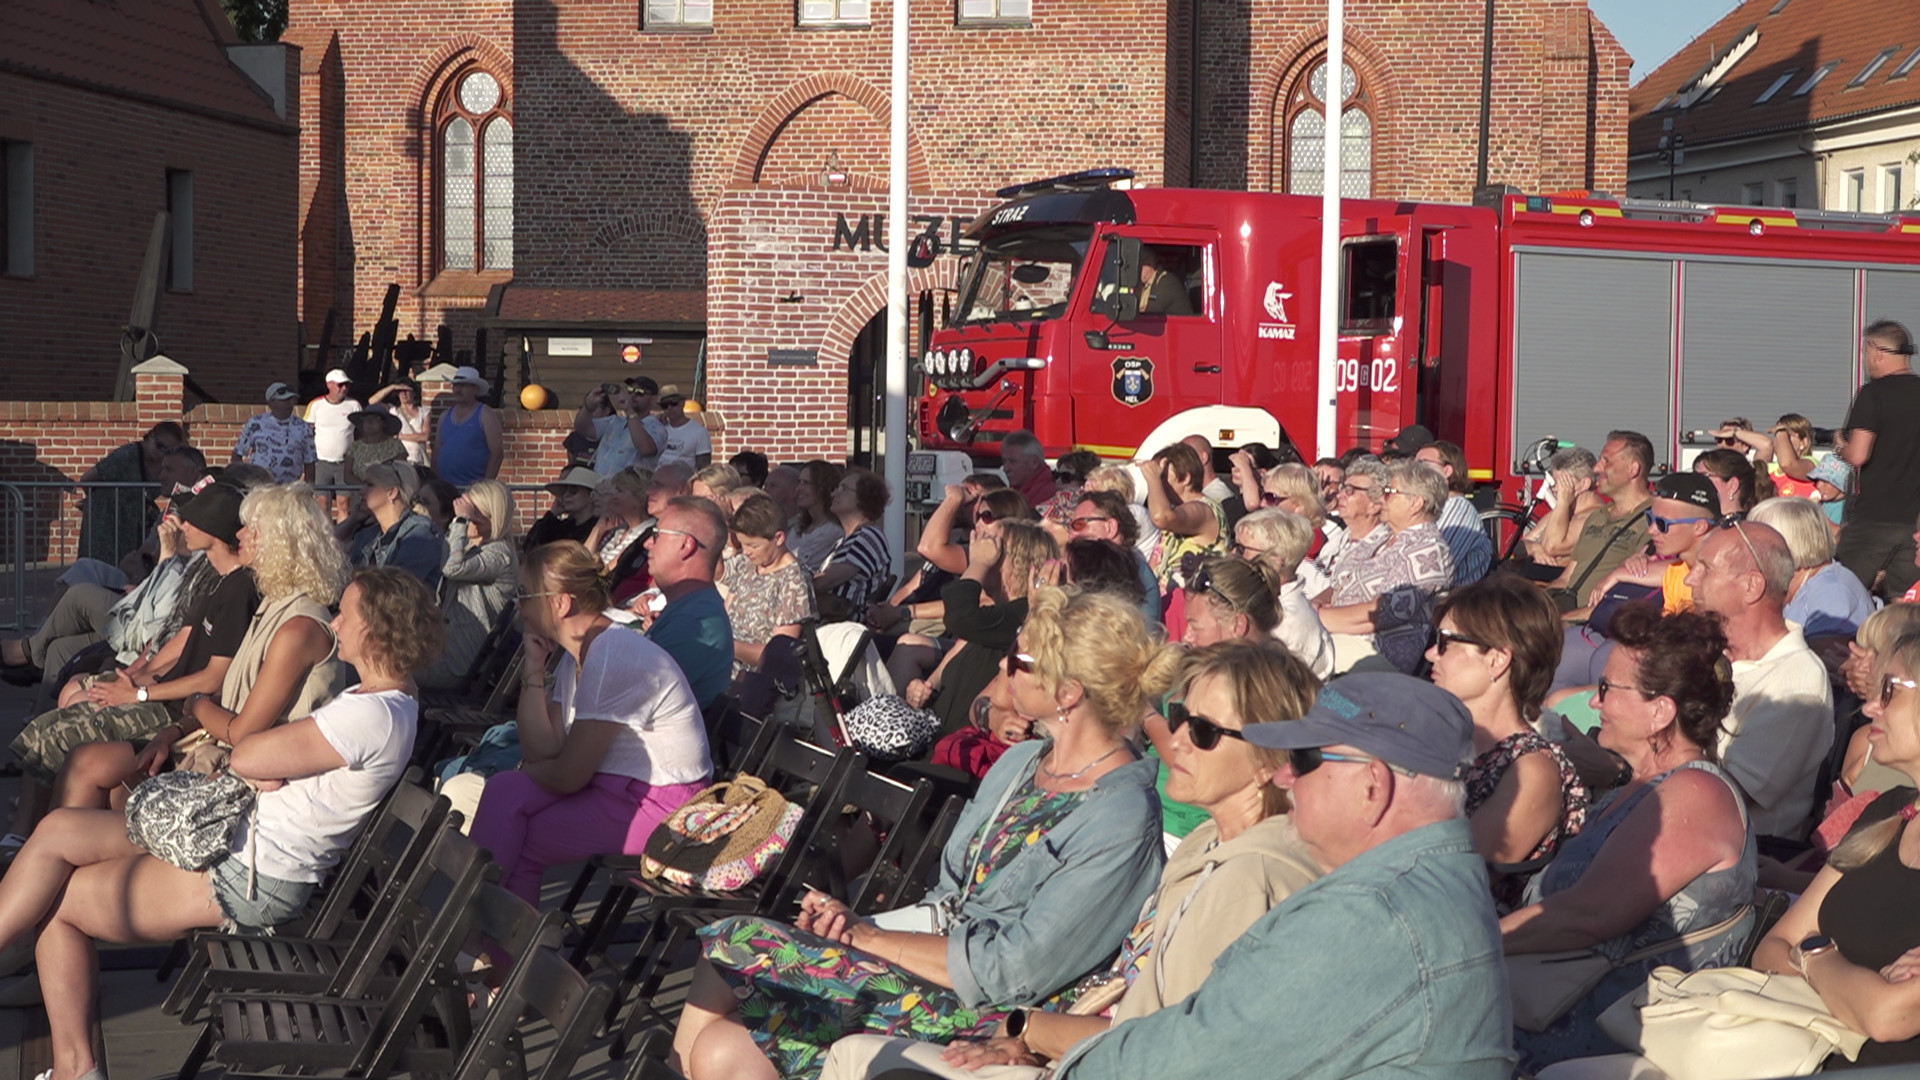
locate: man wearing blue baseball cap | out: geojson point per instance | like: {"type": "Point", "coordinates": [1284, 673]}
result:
{"type": "Point", "coordinates": [1388, 966]}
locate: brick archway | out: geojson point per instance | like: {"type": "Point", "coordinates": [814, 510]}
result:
{"type": "Point", "coordinates": [773, 119]}
{"type": "Point", "coordinates": [1301, 53]}
{"type": "Point", "coordinates": [870, 299]}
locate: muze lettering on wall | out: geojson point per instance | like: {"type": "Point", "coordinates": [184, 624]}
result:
{"type": "Point", "coordinates": [869, 232]}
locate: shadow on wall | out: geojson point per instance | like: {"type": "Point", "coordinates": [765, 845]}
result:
{"type": "Point", "coordinates": [1223, 79]}
{"type": "Point", "coordinates": [624, 218]}
{"type": "Point", "coordinates": [326, 229]}
{"type": "Point", "coordinates": [28, 523]}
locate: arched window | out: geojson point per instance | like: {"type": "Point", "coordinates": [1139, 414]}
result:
{"type": "Point", "coordinates": [1306, 130]}
{"type": "Point", "coordinates": [476, 175]}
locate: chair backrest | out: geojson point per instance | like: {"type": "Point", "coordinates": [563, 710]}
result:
{"type": "Point", "coordinates": [894, 810]}
{"type": "Point", "coordinates": [791, 767]}
{"type": "Point", "coordinates": [541, 985]}
{"type": "Point", "coordinates": [495, 648]}
{"type": "Point", "coordinates": [458, 869]}
{"type": "Point", "coordinates": [918, 873]}
{"type": "Point", "coordinates": [385, 855]}
{"type": "Point", "coordinates": [418, 911]}
{"type": "Point", "coordinates": [739, 741]}
{"type": "Point", "coordinates": [507, 683]}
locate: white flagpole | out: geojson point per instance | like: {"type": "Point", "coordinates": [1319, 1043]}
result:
{"type": "Point", "coordinates": [897, 232]}
{"type": "Point", "coordinates": [1326, 414]}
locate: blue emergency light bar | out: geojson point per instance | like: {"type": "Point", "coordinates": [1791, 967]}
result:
{"type": "Point", "coordinates": [1085, 180]}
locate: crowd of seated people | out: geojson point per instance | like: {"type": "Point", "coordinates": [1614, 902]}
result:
{"type": "Point", "coordinates": [1208, 714]}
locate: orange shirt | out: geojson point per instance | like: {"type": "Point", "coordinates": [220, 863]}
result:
{"type": "Point", "coordinates": [1673, 586]}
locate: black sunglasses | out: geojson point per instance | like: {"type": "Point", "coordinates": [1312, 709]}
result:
{"type": "Point", "coordinates": [1202, 732]}
{"type": "Point", "coordinates": [1201, 581]}
{"type": "Point", "coordinates": [983, 517]}
{"type": "Point", "coordinates": [1445, 638]}
{"type": "Point", "coordinates": [1018, 662]}
{"type": "Point", "coordinates": [1603, 688]}
{"type": "Point", "coordinates": [1305, 761]}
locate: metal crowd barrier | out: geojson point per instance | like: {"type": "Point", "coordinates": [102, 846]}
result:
{"type": "Point", "coordinates": [47, 525]}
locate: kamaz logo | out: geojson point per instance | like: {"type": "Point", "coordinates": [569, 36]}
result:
{"type": "Point", "coordinates": [1276, 302]}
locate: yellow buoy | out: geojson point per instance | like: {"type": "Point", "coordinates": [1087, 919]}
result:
{"type": "Point", "coordinates": [534, 397]}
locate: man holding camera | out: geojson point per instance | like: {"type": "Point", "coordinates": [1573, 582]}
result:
{"type": "Point", "coordinates": [631, 434]}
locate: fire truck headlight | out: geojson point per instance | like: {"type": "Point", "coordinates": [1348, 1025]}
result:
{"type": "Point", "coordinates": [940, 362]}
{"type": "Point", "coordinates": [1586, 219]}
{"type": "Point", "coordinates": [1755, 228]}
{"type": "Point", "coordinates": [963, 362]}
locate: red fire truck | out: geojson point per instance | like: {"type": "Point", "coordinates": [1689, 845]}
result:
{"type": "Point", "coordinates": [1121, 320]}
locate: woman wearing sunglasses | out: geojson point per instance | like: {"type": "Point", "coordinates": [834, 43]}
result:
{"type": "Point", "coordinates": [1241, 862]}
{"type": "Point", "coordinates": [1667, 854]}
{"type": "Point", "coordinates": [1045, 873]}
{"type": "Point", "coordinates": [1496, 649]}
{"type": "Point", "coordinates": [1852, 934]}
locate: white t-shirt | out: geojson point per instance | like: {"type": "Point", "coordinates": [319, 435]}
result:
{"type": "Point", "coordinates": [630, 681]}
{"type": "Point", "coordinates": [332, 431]}
{"type": "Point", "coordinates": [1778, 733]}
{"type": "Point", "coordinates": [305, 825]}
{"type": "Point", "coordinates": [686, 443]}
{"type": "Point", "coordinates": [414, 425]}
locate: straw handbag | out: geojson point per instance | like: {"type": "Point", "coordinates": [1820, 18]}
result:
{"type": "Point", "coordinates": [723, 838]}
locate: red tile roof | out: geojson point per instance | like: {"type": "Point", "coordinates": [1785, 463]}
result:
{"type": "Point", "coordinates": [166, 50]}
{"type": "Point", "coordinates": [522, 303]}
{"type": "Point", "coordinates": [1801, 38]}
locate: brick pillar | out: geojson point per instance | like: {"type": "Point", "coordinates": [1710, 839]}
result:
{"type": "Point", "coordinates": [159, 391]}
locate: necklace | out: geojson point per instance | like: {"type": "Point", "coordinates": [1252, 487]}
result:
{"type": "Point", "coordinates": [1084, 769]}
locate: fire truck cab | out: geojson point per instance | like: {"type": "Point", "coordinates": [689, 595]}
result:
{"type": "Point", "coordinates": [1122, 320]}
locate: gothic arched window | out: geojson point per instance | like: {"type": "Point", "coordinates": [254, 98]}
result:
{"type": "Point", "coordinates": [475, 192]}
{"type": "Point", "coordinates": [1306, 130]}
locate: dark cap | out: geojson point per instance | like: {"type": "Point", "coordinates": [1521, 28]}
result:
{"type": "Point", "coordinates": [215, 510]}
{"type": "Point", "coordinates": [1399, 719]}
{"type": "Point", "coordinates": [640, 384]}
{"type": "Point", "coordinates": [394, 474]}
{"type": "Point", "coordinates": [1411, 438]}
{"type": "Point", "coordinates": [387, 418]}
{"type": "Point", "coordinates": [1690, 488]}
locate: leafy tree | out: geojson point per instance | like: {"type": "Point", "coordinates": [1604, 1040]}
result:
{"type": "Point", "coordinates": [257, 20]}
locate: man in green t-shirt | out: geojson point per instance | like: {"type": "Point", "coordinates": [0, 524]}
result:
{"type": "Point", "coordinates": [1615, 531]}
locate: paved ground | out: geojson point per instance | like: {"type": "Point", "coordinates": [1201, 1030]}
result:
{"type": "Point", "coordinates": [142, 1043]}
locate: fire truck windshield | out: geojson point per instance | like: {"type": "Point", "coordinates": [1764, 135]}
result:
{"type": "Point", "coordinates": [1024, 275]}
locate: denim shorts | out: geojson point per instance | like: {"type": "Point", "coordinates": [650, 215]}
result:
{"type": "Point", "coordinates": [273, 900]}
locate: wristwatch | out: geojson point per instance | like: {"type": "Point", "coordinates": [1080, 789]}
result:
{"type": "Point", "coordinates": [1016, 1023]}
{"type": "Point", "coordinates": [140, 694]}
{"type": "Point", "coordinates": [1810, 946]}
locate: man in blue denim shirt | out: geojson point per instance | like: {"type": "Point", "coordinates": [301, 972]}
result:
{"type": "Point", "coordinates": [1389, 966]}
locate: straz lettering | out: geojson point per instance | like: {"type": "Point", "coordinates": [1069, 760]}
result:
{"type": "Point", "coordinates": [1010, 214]}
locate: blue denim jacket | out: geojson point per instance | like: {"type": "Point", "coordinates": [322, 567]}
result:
{"type": "Point", "coordinates": [1388, 967]}
{"type": "Point", "coordinates": [1059, 908]}
{"type": "Point", "coordinates": [411, 545]}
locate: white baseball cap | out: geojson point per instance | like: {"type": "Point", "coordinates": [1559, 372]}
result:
{"type": "Point", "coordinates": [338, 375]}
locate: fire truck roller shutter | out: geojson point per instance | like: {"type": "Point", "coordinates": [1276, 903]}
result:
{"type": "Point", "coordinates": [1764, 339]}
{"type": "Point", "coordinates": [1891, 294]}
{"type": "Point", "coordinates": [1591, 329]}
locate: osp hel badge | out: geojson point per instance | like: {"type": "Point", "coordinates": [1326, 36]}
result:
{"type": "Point", "coordinates": [1132, 380]}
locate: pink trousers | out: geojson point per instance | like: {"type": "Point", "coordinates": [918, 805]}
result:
{"type": "Point", "coordinates": [528, 828]}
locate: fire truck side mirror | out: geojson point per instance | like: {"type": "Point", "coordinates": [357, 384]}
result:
{"type": "Point", "coordinates": [1126, 297]}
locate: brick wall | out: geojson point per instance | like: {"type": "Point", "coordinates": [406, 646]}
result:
{"type": "Point", "coordinates": [100, 174]}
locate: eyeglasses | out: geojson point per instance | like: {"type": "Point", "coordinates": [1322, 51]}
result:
{"type": "Point", "coordinates": [1082, 524]}
{"type": "Point", "coordinates": [1247, 552]}
{"type": "Point", "coordinates": [1751, 550]}
{"type": "Point", "coordinates": [698, 543]}
{"type": "Point", "coordinates": [1305, 761]}
{"type": "Point", "coordinates": [1391, 491]}
{"type": "Point", "coordinates": [984, 517]}
{"type": "Point", "coordinates": [1202, 732]}
{"type": "Point", "coordinates": [1349, 486]}
{"type": "Point", "coordinates": [1604, 688]}
{"type": "Point", "coordinates": [1664, 524]}
{"type": "Point", "coordinates": [522, 595]}
{"type": "Point", "coordinates": [1888, 684]}
{"type": "Point", "coordinates": [1448, 637]}
{"type": "Point", "coordinates": [1018, 662]}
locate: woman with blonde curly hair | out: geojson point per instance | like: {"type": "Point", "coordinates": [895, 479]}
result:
{"type": "Point", "coordinates": [286, 665]}
{"type": "Point", "coordinates": [1045, 873]}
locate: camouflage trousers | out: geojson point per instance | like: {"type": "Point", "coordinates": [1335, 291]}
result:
{"type": "Point", "coordinates": [43, 745]}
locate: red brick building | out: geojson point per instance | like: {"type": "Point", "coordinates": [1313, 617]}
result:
{"type": "Point", "coordinates": [698, 186]}
{"type": "Point", "coordinates": [109, 113]}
